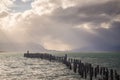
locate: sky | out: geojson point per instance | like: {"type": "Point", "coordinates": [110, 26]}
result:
{"type": "Point", "coordinates": [61, 25]}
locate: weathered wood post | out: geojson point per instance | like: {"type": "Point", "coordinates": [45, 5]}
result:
{"type": "Point", "coordinates": [116, 75]}
{"type": "Point", "coordinates": [75, 65]}
{"type": "Point", "coordinates": [65, 58]}
{"type": "Point", "coordinates": [27, 51]}
{"type": "Point", "coordinates": [85, 72]}
{"type": "Point", "coordinates": [79, 68]}
{"type": "Point", "coordinates": [50, 57]}
{"type": "Point", "coordinates": [91, 73]}
{"type": "Point", "coordinates": [95, 72]}
{"type": "Point", "coordinates": [82, 71]}
{"type": "Point", "coordinates": [104, 71]}
{"type": "Point", "coordinates": [70, 66]}
{"type": "Point", "coordinates": [111, 74]}
{"type": "Point", "coordinates": [106, 74]}
{"type": "Point", "coordinates": [100, 70]}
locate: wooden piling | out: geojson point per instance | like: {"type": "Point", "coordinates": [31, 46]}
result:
{"type": "Point", "coordinates": [84, 69]}
{"type": "Point", "coordinates": [111, 74]}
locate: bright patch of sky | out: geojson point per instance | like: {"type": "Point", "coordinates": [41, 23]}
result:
{"type": "Point", "coordinates": [21, 5]}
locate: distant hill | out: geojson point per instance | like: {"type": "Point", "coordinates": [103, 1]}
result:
{"type": "Point", "coordinates": [2, 51]}
{"type": "Point", "coordinates": [33, 47]}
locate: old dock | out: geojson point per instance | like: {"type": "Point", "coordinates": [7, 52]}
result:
{"type": "Point", "coordinates": [85, 70]}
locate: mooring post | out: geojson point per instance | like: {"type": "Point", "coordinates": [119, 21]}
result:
{"type": "Point", "coordinates": [70, 66]}
{"type": "Point", "coordinates": [100, 70]}
{"type": "Point", "coordinates": [111, 74]}
{"type": "Point", "coordinates": [50, 57]}
{"type": "Point", "coordinates": [27, 51]}
{"type": "Point", "coordinates": [75, 66]}
{"type": "Point", "coordinates": [95, 72]}
{"type": "Point", "coordinates": [85, 72]}
{"type": "Point", "coordinates": [65, 58]}
{"type": "Point", "coordinates": [79, 68]}
{"type": "Point", "coordinates": [104, 71]}
{"type": "Point", "coordinates": [116, 75]}
{"type": "Point", "coordinates": [91, 73]}
{"type": "Point", "coordinates": [106, 74]}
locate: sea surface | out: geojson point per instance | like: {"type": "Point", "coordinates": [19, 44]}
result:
{"type": "Point", "coordinates": [13, 66]}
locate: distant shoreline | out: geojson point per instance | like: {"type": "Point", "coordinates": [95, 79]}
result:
{"type": "Point", "coordinates": [2, 51]}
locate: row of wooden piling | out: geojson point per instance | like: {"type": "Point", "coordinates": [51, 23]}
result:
{"type": "Point", "coordinates": [85, 70]}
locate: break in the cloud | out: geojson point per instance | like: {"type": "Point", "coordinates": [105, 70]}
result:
{"type": "Point", "coordinates": [61, 25]}
{"type": "Point", "coordinates": [26, 0]}
{"type": "Point", "coordinates": [6, 4]}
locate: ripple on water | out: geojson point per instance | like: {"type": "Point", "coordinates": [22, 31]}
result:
{"type": "Point", "coordinates": [20, 68]}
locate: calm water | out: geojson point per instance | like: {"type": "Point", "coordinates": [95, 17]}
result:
{"type": "Point", "coordinates": [13, 66]}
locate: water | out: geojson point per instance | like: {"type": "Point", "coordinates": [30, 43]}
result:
{"type": "Point", "coordinates": [13, 66]}
{"type": "Point", "coordinates": [110, 60]}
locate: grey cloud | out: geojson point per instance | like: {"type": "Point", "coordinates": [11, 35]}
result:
{"type": "Point", "coordinates": [3, 14]}
{"type": "Point", "coordinates": [116, 24]}
{"type": "Point", "coordinates": [96, 13]}
{"type": "Point", "coordinates": [108, 38]}
{"type": "Point", "coordinates": [60, 24]}
{"type": "Point", "coordinates": [110, 8]}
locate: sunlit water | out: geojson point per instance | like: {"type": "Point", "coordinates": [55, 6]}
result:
{"type": "Point", "coordinates": [13, 66]}
{"type": "Point", "coordinates": [16, 67]}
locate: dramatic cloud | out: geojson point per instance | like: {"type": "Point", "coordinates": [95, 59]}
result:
{"type": "Point", "coordinates": [6, 4]}
{"type": "Point", "coordinates": [62, 25]}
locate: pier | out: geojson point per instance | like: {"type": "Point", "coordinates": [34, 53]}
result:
{"type": "Point", "coordinates": [85, 70]}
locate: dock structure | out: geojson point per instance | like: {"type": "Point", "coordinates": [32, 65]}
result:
{"type": "Point", "coordinates": [85, 70]}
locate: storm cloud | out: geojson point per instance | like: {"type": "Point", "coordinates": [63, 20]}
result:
{"type": "Point", "coordinates": [52, 25]}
